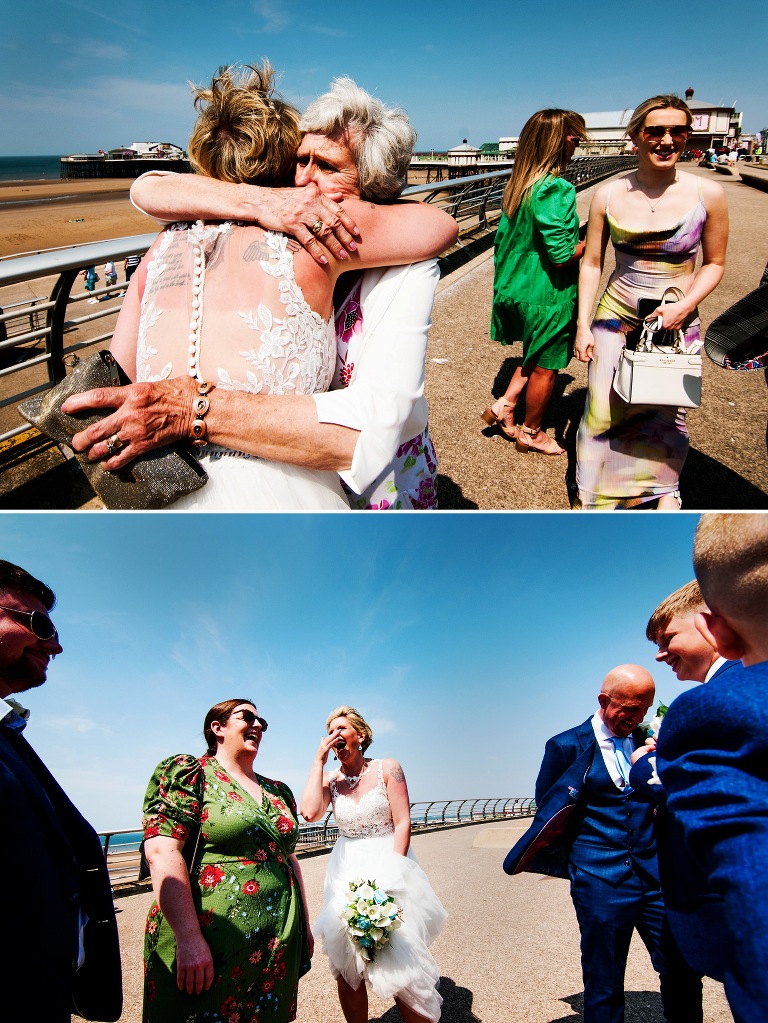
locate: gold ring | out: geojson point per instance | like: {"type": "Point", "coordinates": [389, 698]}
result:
{"type": "Point", "coordinates": [317, 227]}
{"type": "Point", "coordinates": [114, 444]}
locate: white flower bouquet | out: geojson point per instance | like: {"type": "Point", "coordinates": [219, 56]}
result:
{"type": "Point", "coordinates": [655, 723]}
{"type": "Point", "coordinates": [369, 917]}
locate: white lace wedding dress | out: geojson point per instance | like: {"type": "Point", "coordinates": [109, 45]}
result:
{"type": "Point", "coordinates": [199, 316]}
{"type": "Point", "coordinates": [404, 968]}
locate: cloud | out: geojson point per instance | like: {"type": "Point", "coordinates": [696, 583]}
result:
{"type": "Point", "coordinates": [275, 17]}
{"type": "Point", "coordinates": [73, 723]}
{"type": "Point", "coordinates": [382, 726]}
{"type": "Point", "coordinates": [329, 30]}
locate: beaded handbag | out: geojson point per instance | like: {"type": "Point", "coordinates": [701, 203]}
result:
{"type": "Point", "coordinates": [154, 480]}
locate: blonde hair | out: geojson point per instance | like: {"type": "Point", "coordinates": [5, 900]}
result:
{"type": "Point", "coordinates": [664, 102]}
{"type": "Point", "coordinates": [244, 132]}
{"type": "Point", "coordinates": [542, 150]}
{"type": "Point", "coordinates": [730, 558]}
{"type": "Point", "coordinates": [355, 719]}
{"type": "Point", "coordinates": [685, 602]}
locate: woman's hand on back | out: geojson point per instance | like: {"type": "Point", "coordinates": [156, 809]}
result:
{"type": "Point", "coordinates": [296, 211]}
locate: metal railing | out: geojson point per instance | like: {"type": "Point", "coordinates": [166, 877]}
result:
{"type": "Point", "coordinates": [58, 330]}
{"type": "Point", "coordinates": [123, 856]}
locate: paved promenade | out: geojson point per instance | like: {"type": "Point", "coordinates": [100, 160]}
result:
{"type": "Point", "coordinates": [727, 466]}
{"type": "Point", "coordinates": [509, 952]}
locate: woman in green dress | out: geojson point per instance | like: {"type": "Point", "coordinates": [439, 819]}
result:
{"type": "Point", "coordinates": [536, 256]}
{"type": "Point", "coordinates": [227, 938]}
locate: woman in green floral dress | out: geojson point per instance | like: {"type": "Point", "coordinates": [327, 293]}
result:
{"type": "Point", "coordinates": [228, 937]}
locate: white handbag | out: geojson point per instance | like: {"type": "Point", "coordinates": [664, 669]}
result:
{"type": "Point", "coordinates": [660, 371]}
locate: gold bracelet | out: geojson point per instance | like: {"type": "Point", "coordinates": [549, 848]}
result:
{"type": "Point", "coordinates": [200, 407]}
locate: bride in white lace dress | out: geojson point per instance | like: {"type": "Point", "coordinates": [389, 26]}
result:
{"type": "Point", "coordinates": [231, 308]}
{"type": "Point", "coordinates": [372, 811]}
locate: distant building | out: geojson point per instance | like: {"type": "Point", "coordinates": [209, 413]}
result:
{"type": "Point", "coordinates": [714, 126]}
{"type": "Point", "coordinates": [463, 155]}
{"type": "Point", "coordinates": [148, 149]}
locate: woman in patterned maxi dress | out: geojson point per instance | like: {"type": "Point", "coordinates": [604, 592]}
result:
{"type": "Point", "coordinates": [372, 811]}
{"type": "Point", "coordinates": [631, 455]}
{"type": "Point", "coordinates": [227, 938]}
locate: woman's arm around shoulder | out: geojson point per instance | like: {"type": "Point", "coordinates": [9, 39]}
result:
{"type": "Point", "coordinates": [393, 234]}
{"type": "Point", "coordinates": [399, 803]}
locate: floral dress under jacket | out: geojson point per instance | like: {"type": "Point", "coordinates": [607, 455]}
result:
{"type": "Point", "coordinates": [248, 901]}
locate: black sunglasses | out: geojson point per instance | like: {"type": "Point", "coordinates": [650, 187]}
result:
{"type": "Point", "coordinates": [39, 624]}
{"type": "Point", "coordinates": [658, 131]}
{"type": "Point", "coordinates": [250, 719]}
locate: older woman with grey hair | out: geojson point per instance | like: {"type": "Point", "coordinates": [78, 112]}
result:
{"type": "Point", "coordinates": [371, 427]}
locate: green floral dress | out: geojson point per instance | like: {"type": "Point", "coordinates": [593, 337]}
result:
{"type": "Point", "coordinates": [247, 898]}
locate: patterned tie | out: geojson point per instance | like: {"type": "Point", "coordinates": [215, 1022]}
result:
{"type": "Point", "coordinates": [622, 762]}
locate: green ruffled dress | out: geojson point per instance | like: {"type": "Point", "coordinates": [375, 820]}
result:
{"type": "Point", "coordinates": [247, 898]}
{"type": "Point", "coordinates": [534, 301]}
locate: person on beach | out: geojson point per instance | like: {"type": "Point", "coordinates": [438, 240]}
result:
{"type": "Point", "coordinates": [371, 808]}
{"type": "Point", "coordinates": [228, 935]}
{"type": "Point", "coordinates": [90, 277]}
{"type": "Point", "coordinates": [631, 456]}
{"type": "Point", "coordinates": [60, 949]}
{"type": "Point", "coordinates": [374, 431]}
{"type": "Point", "coordinates": [589, 828]}
{"type": "Point", "coordinates": [712, 758]}
{"type": "Point", "coordinates": [536, 256]}
{"type": "Point", "coordinates": [110, 273]}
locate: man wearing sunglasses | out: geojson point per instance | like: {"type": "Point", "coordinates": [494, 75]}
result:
{"type": "Point", "coordinates": [61, 948]}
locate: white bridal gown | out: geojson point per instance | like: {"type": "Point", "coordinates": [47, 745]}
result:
{"type": "Point", "coordinates": [404, 968]}
{"type": "Point", "coordinates": [199, 317]}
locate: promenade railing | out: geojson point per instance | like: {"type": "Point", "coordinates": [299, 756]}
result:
{"type": "Point", "coordinates": [39, 334]}
{"type": "Point", "coordinates": [121, 848]}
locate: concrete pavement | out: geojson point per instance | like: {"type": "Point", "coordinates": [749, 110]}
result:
{"type": "Point", "coordinates": [508, 954]}
{"type": "Point", "coordinates": [727, 466]}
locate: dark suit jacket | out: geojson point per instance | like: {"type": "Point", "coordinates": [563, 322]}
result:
{"type": "Point", "coordinates": [562, 801]}
{"type": "Point", "coordinates": [694, 911]}
{"type": "Point", "coordinates": [53, 864]}
{"type": "Point", "coordinates": [712, 759]}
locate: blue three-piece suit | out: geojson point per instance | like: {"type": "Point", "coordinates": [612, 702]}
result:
{"type": "Point", "coordinates": [602, 839]}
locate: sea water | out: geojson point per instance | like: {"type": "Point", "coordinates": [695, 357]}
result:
{"type": "Point", "coordinates": [29, 168]}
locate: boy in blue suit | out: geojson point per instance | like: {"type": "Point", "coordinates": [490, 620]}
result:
{"type": "Point", "coordinates": [687, 898]}
{"type": "Point", "coordinates": [712, 754]}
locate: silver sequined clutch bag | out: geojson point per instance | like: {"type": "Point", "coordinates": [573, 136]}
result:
{"type": "Point", "coordinates": [154, 480]}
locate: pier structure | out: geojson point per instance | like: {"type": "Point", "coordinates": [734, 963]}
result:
{"type": "Point", "coordinates": [509, 952]}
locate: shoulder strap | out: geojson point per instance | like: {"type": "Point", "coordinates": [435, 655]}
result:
{"type": "Point", "coordinates": [608, 196]}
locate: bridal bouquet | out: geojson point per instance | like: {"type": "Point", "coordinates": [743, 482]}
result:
{"type": "Point", "coordinates": [369, 917]}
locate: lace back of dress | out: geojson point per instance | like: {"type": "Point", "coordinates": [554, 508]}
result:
{"type": "Point", "coordinates": [363, 812]}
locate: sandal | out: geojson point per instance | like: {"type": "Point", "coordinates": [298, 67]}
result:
{"type": "Point", "coordinates": [492, 419]}
{"type": "Point", "coordinates": [551, 447]}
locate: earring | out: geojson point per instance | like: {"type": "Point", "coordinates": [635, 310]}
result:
{"type": "Point", "coordinates": [360, 748]}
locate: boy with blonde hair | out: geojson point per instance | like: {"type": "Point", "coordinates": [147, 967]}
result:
{"type": "Point", "coordinates": [712, 754]}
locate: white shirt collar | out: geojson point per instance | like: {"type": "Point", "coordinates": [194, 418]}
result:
{"type": "Point", "coordinates": [716, 666]}
{"type": "Point", "coordinates": [604, 738]}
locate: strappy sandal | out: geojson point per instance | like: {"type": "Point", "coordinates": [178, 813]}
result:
{"type": "Point", "coordinates": [550, 448]}
{"type": "Point", "coordinates": [492, 419]}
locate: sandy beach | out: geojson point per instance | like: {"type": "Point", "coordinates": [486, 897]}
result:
{"type": "Point", "coordinates": [38, 215]}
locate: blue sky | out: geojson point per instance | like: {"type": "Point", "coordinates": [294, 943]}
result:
{"type": "Point", "coordinates": [79, 75]}
{"type": "Point", "coordinates": [466, 640]}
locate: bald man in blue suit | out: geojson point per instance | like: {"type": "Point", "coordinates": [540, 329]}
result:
{"type": "Point", "coordinates": [589, 828]}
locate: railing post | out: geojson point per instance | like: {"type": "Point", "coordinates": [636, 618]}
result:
{"type": "Point", "coordinates": [55, 321]}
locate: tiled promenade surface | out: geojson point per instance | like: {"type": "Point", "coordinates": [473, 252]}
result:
{"type": "Point", "coordinates": [509, 952]}
{"type": "Point", "coordinates": [727, 466]}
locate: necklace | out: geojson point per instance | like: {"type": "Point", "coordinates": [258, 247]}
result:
{"type": "Point", "coordinates": [353, 780]}
{"type": "Point", "coordinates": [653, 205]}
